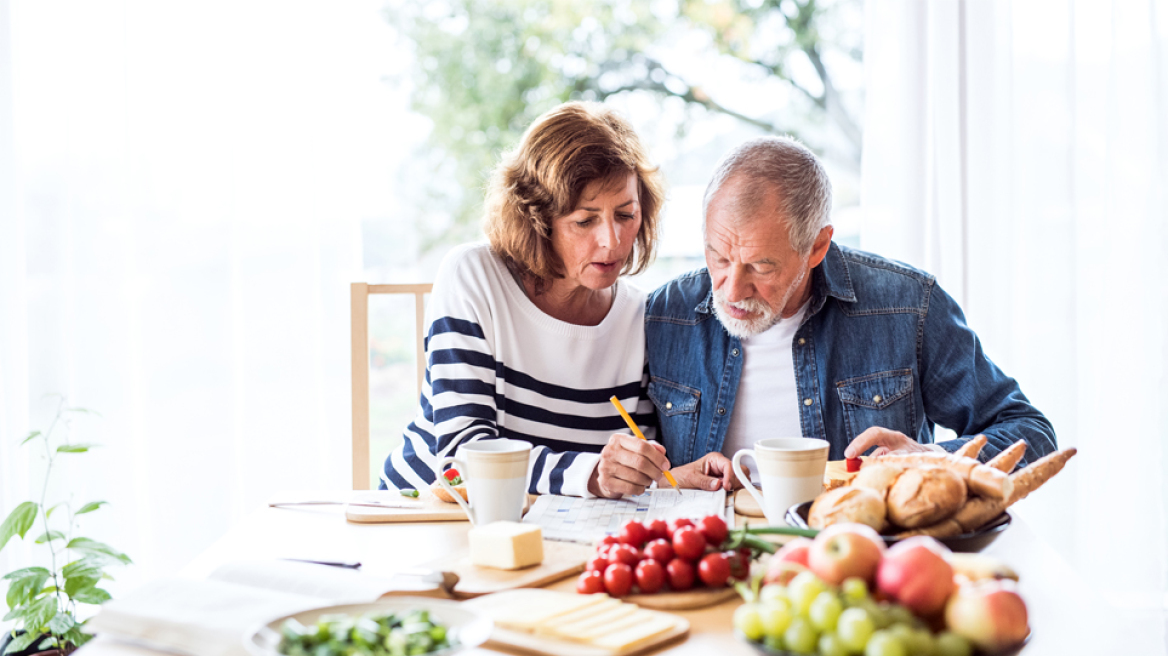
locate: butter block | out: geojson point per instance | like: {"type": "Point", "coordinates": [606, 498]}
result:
{"type": "Point", "coordinates": [506, 545]}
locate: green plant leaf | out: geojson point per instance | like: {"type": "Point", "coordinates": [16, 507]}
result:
{"type": "Point", "coordinates": [31, 436]}
{"type": "Point", "coordinates": [16, 613]}
{"type": "Point", "coordinates": [18, 522]}
{"type": "Point", "coordinates": [88, 565]}
{"type": "Point", "coordinates": [79, 584]}
{"type": "Point", "coordinates": [48, 642]}
{"type": "Point", "coordinates": [84, 411]}
{"type": "Point", "coordinates": [36, 620]}
{"type": "Point", "coordinates": [49, 512]}
{"type": "Point", "coordinates": [21, 642]}
{"type": "Point", "coordinates": [75, 448]}
{"type": "Point", "coordinates": [25, 584]}
{"type": "Point", "coordinates": [92, 596]}
{"type": "Point", "coordinates": [76, 637]}
{"type": "Point", "coordinates": [91, 506]}
{"type": "Point", "coordinates": [49, 536]}
{"type": "Point", "coordinates": [85, 545]}
{"type": "Point", "coordinates": [61, 623]}
{"type": "Point", "coordinates": [25, 573]}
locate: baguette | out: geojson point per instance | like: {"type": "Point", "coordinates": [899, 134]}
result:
{"type": "Point", "coordinates": [925, 495]}
{"type": "Point", "coordinates": [971, 448]}
{"type": "Point", "coordinates": [981, 480]}
{"type": "Point", "coordinates": [1006, 460]}
{"type": "Point", "coordinates": [1029, 479]}
{"type": "Point", "coordinates": [979, 510]}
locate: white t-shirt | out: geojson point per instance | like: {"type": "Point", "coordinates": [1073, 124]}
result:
{"type": "Point", "coordinates": [767, 403]}
{"type": "Point", "coordinates": [497, 366]}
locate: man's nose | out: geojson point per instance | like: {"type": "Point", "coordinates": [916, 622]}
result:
{"type": "Point", "coordinates": [737, 286]}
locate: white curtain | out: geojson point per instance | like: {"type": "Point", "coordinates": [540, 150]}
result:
{"type": "Point", "coordinates": [1019, 151]}
{"type": "Point", "coordinates": [182, 186]}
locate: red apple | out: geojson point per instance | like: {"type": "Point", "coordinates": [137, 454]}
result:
{"type": "Point", "coordinates": [845, 550]}
{"type": "Point", "coordinates": [795, 550]}
{"type": "Point", "coordinates": [782, 571]}
{"type": "Point", "coordinates": [990, 614]}
{"type": "Point", "coordinates": [915, 573]}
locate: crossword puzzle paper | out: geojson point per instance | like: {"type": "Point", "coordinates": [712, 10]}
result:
{"type": "Point", "coordinates": [572, 519]}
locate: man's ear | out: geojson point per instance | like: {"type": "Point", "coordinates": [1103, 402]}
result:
{"type": "Point", "coordinates": [819, 249]}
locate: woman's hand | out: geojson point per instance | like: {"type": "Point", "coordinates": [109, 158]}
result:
{"type": "Point", "coordinates": [710, 472]}
{"type": "Point", "coordinates": [627, 466]}
{"type": "Point", "coordinates": [886, 441]}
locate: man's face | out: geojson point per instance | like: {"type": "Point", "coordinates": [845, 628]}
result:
{"type": "Point", "coordinates": [757, 276]}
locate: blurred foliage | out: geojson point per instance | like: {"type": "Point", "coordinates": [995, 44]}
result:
{"type": "Point", "coordinates": [484, 69]}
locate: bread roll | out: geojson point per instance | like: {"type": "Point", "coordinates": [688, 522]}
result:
{"type": "Point", "coordinates": [442, 494]}
{"type": "Point", "coordinates": [925, 495]}
{"type": "Point", "coordinates": [847, 504]}
{"type": "Point", "coordinates": [878, 477]}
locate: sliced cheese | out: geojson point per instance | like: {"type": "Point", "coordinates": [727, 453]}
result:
{"type": "Point", "coordinates": [506, 545]}
{"type": "Point", "coordinates": [590, 632]}
{"type": "Point", "coordinates": [607, 608]}
{"type": "Point", "coordinates": [636, 635]}
{"type": "Point", "coordinates": [544, 608]}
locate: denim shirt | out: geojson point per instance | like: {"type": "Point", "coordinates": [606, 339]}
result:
{"type": "Point", "coordinates": [881, 345]}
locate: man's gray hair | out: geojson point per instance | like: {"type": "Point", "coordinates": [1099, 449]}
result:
{"type": "Point", "coordinates": [783, 167]}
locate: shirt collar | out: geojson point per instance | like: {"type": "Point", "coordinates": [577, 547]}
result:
{"type": "Point", "coordinates": [830, 278]}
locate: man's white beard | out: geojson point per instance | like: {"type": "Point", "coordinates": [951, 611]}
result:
{"type": "Point", "coordinates": [766, 316]}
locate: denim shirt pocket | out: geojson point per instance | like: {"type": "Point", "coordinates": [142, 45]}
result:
{"type": "Point", "coordinates": [677, 412]}
{"type": "Point", "coordinates": [881, 399]}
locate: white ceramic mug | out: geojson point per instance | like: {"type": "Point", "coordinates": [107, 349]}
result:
{"type": "Point", "coordinates": [495, 472]}
{"type": "Point", "coordinates": [791, 470]}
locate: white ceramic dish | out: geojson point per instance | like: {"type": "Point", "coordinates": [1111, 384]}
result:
{"type": "Point", "coordinates": [468, 627]}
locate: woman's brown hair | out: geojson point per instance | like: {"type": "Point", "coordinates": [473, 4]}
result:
{"type": "Point", "coordinates": [562, 152]}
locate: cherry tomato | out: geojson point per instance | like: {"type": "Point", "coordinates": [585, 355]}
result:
{"type": "Point", "coordinates": [618, 579]}
{"type": "Point", "coordinates": [634, 533]}
{"type": "Point", "coordinates": [624, 553]}
{"type": "Point", "coordinates": [659, 550]}
{"type": "Point", "coordinates": [688, 543]}
{"type": "Point", "coordinates": [451, 474]}
{"type": "Point", "coordinates": [609, 539]}
{"type": "Point", "coordinates": [681, 574]}
{"type": "Point", "coordinates": [658, 530]}
{"type": "Point", "coordinates": [714, 570]}
{"type": "Point", "coordinates": [650, 576]}
{"type": "Point", "coordinates": [590, 583]}
{"type": "Point", "coordinates": [597, 564]}
{"type": "Point", "coordinates": [739, 564]}
{"type": "Point", "coordinates": [678, 523]}
{"type": "Point", "coordinates": [714, 528]}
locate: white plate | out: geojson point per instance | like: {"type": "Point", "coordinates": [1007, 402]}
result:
{"type": "Point", "coordinates": [468, 627]}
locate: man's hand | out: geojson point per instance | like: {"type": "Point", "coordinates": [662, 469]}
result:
{"type": "Point", "coordinates": [627, 466]}
{"type": "Point", "coordinates": [886, 441]}
{"type": "Point", "coordinates": [710, 472]}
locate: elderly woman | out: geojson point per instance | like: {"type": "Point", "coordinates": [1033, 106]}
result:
{"type": "Point", "coordinates": [531, 334]}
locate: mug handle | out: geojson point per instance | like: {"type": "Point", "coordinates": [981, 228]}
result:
{"type": "Point", "coordinates": [450, 488]}
{"type": "Point", "coordinates": [736, 465]}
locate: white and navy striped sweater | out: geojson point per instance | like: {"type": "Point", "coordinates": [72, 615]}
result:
{"type": "Point", "coordinates": [498, 366]}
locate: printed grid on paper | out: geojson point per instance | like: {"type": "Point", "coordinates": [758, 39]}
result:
{"type": "Point", "coordinates": [573, 519]}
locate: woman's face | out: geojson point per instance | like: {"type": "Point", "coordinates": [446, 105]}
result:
{"type": "Point", "coordinates": [594, 241]}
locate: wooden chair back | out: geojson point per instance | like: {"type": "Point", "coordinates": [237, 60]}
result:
{"type": "Point", "coordinates": [359, 325]}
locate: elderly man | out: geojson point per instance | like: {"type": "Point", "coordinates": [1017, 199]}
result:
{"type": "Point", "coordinates": [786, 334]}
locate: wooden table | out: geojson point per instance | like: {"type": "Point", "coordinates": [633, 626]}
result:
{"type": "Point", "coordinates": [1065, 617]}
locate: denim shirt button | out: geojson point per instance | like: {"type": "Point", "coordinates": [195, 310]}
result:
{"type": "Point", "coordinates": [802, 341]}
{"type": "Point", "coordinates": [734, 352]}
{"type": "Point", "coordinates": [668, 405]}
{"type": "Point", "coordinates": [877, 399]}
{"type": "Point", "coordinates": [807, 402]}
{"type": "Point", "coordinates": [721, 411]}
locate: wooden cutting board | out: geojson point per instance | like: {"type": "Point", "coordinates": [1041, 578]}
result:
{"type": "Point", "coordinates": [687, 600]}
{"type": "Point", "coordinates": [429, 508]}
{"type": "Point", "coordinates": [509, 640]}
{"type": "Point", "coordinates": [560, 560]}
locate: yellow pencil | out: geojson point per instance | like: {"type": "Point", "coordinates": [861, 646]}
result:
{"type": "Point", "coordinates": [637, 431]}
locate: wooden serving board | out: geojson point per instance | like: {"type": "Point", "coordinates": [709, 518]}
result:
{"type": "Point", "coordinates": [510, 640]}
{"type": "Point", "coordinates": [687, 600]}
{"type": "Point", "coordinates": [560, 560]}
{"type": "Point", "coordinates": [429, 509]}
